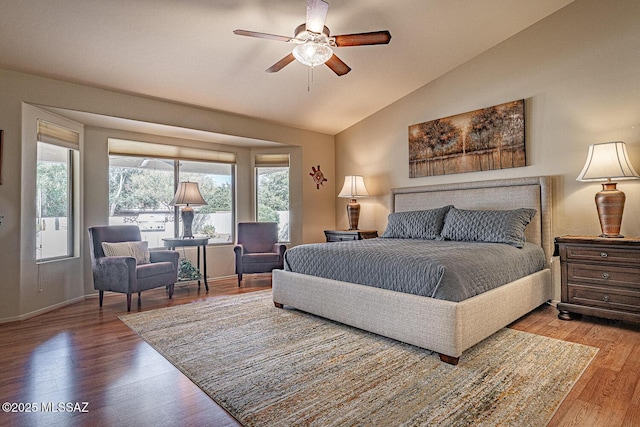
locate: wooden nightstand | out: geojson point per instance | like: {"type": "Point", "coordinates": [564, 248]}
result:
{"type": "Point", "coordinates": [342, 235]}
{"type": "Point", "coordinates": [600, 277]}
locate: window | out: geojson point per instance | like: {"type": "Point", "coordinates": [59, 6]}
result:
{"type": "Point", "coordinates": [215, 219]}
{"type": "Point", "coordinates": [141, 189]}
{"type": "Point", "coordinates": [56, 152]}
{"type": "Point", "coordinates": [272, 191]}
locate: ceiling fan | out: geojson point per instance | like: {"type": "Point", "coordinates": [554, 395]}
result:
{"type": "Point", "coordinates": [314, 44]}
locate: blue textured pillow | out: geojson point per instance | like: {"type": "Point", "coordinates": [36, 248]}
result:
{"type": "Point", "coordinates": [425, 224]}
{"type": "Point", "coordinates": [502, 226]}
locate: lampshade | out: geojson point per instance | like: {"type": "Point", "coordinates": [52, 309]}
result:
{"type": "Point", "coordinates": [188, 194]}
{"type": "Point", "coordinates": [353, 187]}
{"type": "Point", "coordinates": [605, 162]}
{"type": "Point", "coordinates": [608, 160]}
{"type": "Point", "coordinates": [312, 54]}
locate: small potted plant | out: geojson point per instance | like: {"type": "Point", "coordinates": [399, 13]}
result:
{"type": "Point", "coordinates": [186, 270]}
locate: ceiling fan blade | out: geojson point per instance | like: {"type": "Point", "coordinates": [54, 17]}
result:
{"type": "Point", "coordinates": [262, 35]}
{"type": "Point", "coordinates": [338, 67]}
{"type": "Point", "coordinates": [316, 15]}
{"type": "Point", "coordinates": [281, 64]}
{"type": "Point", "coordinates": [375, 37]}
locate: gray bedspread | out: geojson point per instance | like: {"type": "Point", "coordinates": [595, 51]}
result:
{"type": "Point", "coordinates": [446, 270]}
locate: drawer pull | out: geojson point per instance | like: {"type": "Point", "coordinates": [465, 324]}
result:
{"type": "Point", "coordinates": [605, 275]}
{"type": "Point", "coordinates": [604, 254]}
{"type": "Point", "coordinates": [605, 298]}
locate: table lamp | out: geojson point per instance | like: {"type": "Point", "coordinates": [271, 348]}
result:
{"type": "Point", "coordinates": [187, 195]}
{"type": "Point", "coordinates": [353, 188]}
{"type": "Point", "coordinates": [607, 161]}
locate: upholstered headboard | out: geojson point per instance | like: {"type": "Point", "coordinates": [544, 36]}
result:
{"type": "Point", "coordinates": [533, 192]}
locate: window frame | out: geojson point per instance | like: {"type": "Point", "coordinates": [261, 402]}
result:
{"type": "Point", "coordinates": [271, 160]}
{"type": "Point", "coordinates": [176, 209]}
{"type": "Point", "coordinates": [43, 127]}
{"type": "Point", "coordinates": [72, 155]}
{"type": "Point", "coordinates": [176, 179]}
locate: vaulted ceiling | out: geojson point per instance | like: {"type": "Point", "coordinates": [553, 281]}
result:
{"type": "Point", "coordinates": [185, 50]}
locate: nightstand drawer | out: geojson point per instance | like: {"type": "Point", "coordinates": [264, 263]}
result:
{"type": "Point", "coordinates": [342, 237]}
{"type": "Point", "coordinates": [612, 299]}
{"type": "Point", "coordinates": [346, 235]}
{"type": "Point", "coordinates": [604, 275]}
{"type": "Point", "coordinates": [602, 254]}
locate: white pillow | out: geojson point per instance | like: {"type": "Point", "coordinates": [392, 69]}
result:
{"type": "Point", "coordinates": [138, 250]}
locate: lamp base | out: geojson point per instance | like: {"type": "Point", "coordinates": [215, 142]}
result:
{"type": "Point", "coordinates": [610, 205]}
{"type": "Point", "coordinates": [353, 213]}
{"type": "Point", "coordinates": [187, 220]}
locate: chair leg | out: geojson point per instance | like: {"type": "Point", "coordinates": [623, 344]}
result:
{"type": "Point", "coordinates": [239, 279]}
{"type": "Point", "coordinates": [139, 299]}
{"type": "Point", "coordinates": [100, 297]}
{"type": "Point", "coordinates": [171, 289]}
{"type": "Point", "coordinates": [128, 302]}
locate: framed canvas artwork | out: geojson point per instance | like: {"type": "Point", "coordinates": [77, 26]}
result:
{"type": "Point", "coordinates": [487, 139]}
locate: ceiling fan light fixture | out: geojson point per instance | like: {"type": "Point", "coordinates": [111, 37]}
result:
{"type": "Point", "coordinates": [312, 54]}
{"type": "Point", "coordinates": [314, 45]}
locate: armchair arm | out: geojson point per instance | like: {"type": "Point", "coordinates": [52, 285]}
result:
{"type": "Point", "coordinates": [279, 248]}
{"type": "Point", "coordinates": [115, 273]}
{"type": "Point", "coordinates": [238, 249]}
{"type": "Point", "coordinates": [164, 256]}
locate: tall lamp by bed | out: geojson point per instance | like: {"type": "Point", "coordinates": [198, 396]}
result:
{"type": "Point", "coordinates": [607, 161]}
{"type": "Point", "coordinates": [353, 189]}
{"type": "Point", "coordinates": [187, 195]}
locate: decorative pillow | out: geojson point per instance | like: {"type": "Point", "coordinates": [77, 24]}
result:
{"type": "Point", "coordinates": [425, 224]}
{"type": "Point", "coordinates": [501, 226]}
{"type": "Point", "coordinates": [138, 250]}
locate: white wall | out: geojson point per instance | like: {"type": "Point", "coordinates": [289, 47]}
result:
{"type": "Point", "coordinates": [579, 72]}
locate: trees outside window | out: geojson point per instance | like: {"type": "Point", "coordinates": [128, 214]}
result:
{"type": "Point", "coordinates": [141, 189]}
{"type": "Point", "coordinates": [54, 195]}
{"type": "Point", "coordinates": [272, 198]}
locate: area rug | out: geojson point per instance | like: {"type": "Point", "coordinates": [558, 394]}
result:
{"type": "Point", "coordinates": [281, 367]}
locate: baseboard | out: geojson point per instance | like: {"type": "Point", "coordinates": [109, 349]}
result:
{"type": "Point", "coordinates": [41, 311]}
{"type": "Point", "coordinates": [79, 299]}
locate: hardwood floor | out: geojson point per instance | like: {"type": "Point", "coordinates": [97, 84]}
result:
{"type": "Point", "coordinates": [608, 392]}
{"type": "Point", "coordinates": [81, 354]}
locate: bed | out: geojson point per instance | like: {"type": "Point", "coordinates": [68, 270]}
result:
{"type": "Point", "coordinates": [443, 326]}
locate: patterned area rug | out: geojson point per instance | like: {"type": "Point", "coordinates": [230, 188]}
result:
{"type": "Point", "coordinates": [280, 367]}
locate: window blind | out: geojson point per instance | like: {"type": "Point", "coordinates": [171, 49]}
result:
{"type": "Point", "coordinates": [272, 160]}
{"type": "Point", "coordinates": [58, 135]}
{"type": "Point", "coordinates": [150, 149]}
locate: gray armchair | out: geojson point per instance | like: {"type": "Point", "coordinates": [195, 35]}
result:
{"type": "Point", "coordinates": [122, 273]}
{"type": "Point", "coordinates": [258, 250]}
